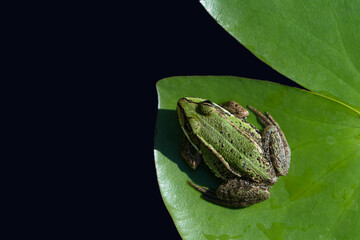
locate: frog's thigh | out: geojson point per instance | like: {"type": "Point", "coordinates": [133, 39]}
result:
{"type": "Point", "coordinates": [190, 154]}
{"type": "Point", "coordinates": [275, 150]}
{"type": "Point", "coordinates": [241, 193]}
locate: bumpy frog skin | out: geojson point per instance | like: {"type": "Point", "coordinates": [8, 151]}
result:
{"type": "Point", "coordinates": [247, 161]}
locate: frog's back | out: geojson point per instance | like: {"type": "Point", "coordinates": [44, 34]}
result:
{"type": "Point", "coordinates": [246, 128]}
{"type": "Point", "coordinates": [233, 149]}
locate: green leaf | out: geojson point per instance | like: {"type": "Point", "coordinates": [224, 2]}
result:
{"type": "Point", "coordinates": [318, 199]}
{"type": "Point", "coordinates": [316, 43]}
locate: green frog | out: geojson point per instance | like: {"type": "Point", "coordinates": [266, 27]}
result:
{"type": "Point", "coordinates": [246, 160]}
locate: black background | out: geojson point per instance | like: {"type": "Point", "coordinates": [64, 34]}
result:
{"type": "Point", "coordinates": [178, 39]}
{"type": "Point", "coordinates": [94, 68]}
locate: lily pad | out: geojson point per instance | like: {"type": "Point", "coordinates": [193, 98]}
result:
{"type": "Point", "coordinates": [318, 199]}
{"type": "Point", "coordinates": [315, 43]}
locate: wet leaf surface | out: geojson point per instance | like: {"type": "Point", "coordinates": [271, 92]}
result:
{"type": "Point", "coordinates": [318, 199]}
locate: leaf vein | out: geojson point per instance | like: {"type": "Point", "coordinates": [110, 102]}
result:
{"type": "Point", "coordinates": [342, 211]}
{"type": "Point", "coordinates": [310, 186]}
{"type": "Point", "coordinates": [330, 47]}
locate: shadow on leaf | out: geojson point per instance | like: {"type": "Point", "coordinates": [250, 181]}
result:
{"type": "Point", "coordinates": [168, 140]}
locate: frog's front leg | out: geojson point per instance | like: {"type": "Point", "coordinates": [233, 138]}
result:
{"type": "Point", "coordinates": [274, 144]}
{"type": "Point", "coordinates": [190, 154]}
{"type": "Point", "coordinates": [236, 109]}
{"type": "Point", "coordinates": [235, 192]}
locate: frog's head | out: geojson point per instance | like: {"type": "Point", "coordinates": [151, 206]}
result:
{"type": "Point", "coordinates": [190, 110]}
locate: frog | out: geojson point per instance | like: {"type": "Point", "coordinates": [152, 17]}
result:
{"type": "Point", "coordinates": [246, 160]}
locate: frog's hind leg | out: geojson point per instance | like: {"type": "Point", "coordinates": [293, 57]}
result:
{"type": "Point", "coordinates": [274, 150]}
{"type": "Point", "coordinates": [235, 193]}
{"type": "Point", "coordinates": [275, 145]}
{"type": "Point", "coordinates": [282, 136]}
{"type": "Point", "coordinates": [192, 156]}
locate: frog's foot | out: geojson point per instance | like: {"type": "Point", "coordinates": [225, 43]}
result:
{"type": "Point", "coordinates": [236, 193]}
{"type": "Point", "coordinates": [190, 154]}
{"type": "Point", "coordinates": [204, 190]}
{"type": "Point", "coordinates": [210, 195]}
{"type": "Point", "coordinates": [235, 109]}
{"type": "Point", "coordinates": [275, 145]}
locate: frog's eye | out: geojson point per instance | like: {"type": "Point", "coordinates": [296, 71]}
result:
{"type": "Point", "coordinates": [208, 102]}
{"type": "Point", "coordinates": [204, 108]}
